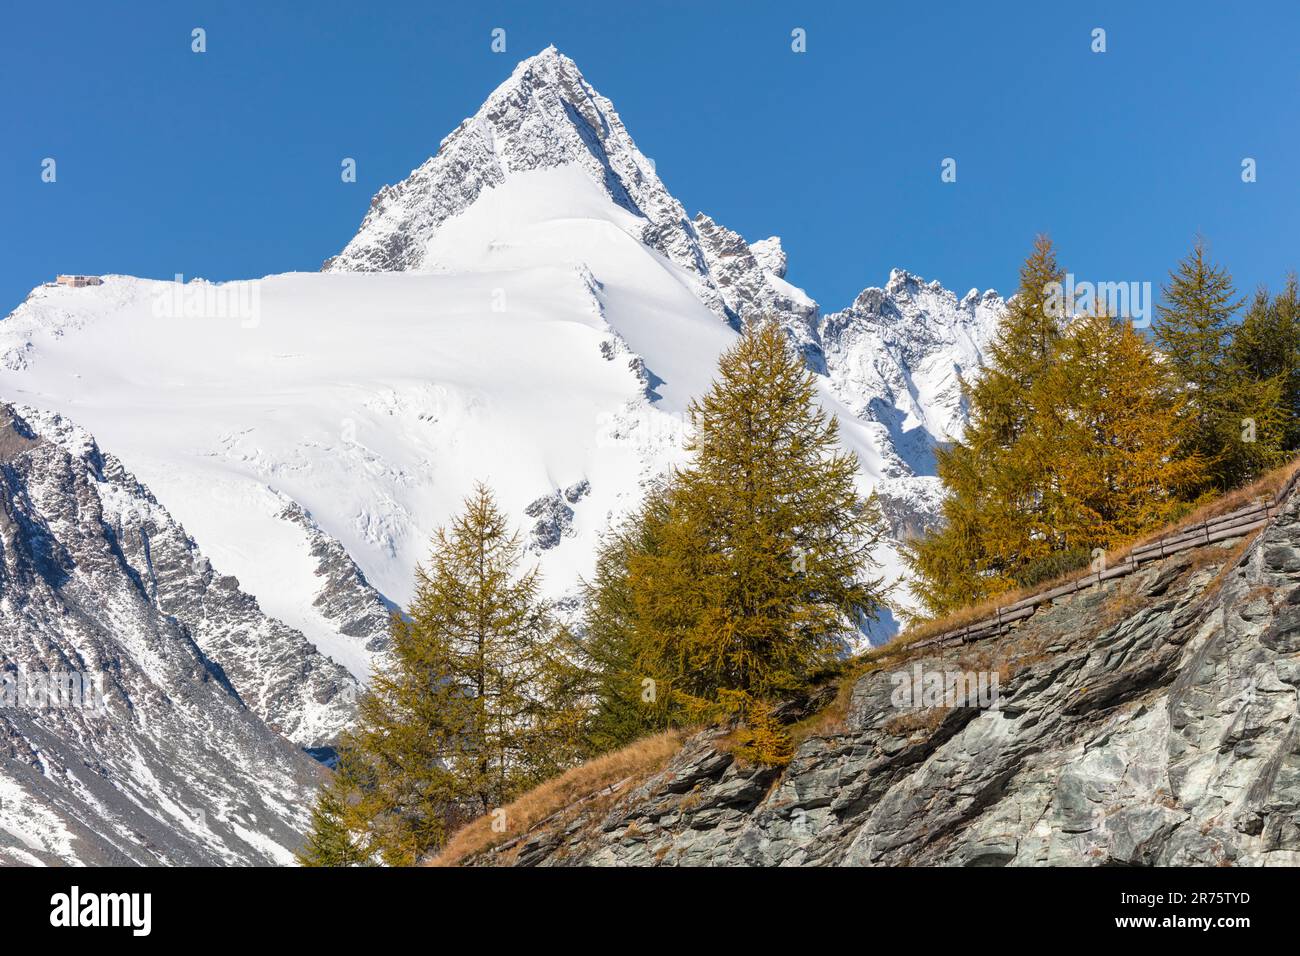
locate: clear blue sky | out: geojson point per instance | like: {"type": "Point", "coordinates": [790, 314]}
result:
{"type": "Point", "coordinates": [226, 164]}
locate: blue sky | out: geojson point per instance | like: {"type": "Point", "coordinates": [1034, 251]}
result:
{"type": "Point", "coordinates": [226, 164]}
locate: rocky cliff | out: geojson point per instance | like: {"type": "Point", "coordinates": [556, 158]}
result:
{"type": "Point", "coordinates": [1151, 720]}
{"type": "Point", "coordinates": [149, 711]}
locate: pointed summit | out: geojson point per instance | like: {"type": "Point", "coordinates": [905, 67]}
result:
{"type": "Point", "coordinates": [549, 65]}
{"type": "Point", "coordinates": [546, 115]}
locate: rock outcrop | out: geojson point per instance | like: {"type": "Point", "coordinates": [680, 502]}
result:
{"type": "Point", "coordinates": [1150, 721]}
{"type": "Point", "coordinates": [149, 710]}
{"type": "Point", "coordinates": [346, 598]}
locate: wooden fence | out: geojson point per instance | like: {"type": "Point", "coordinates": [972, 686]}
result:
{"type": "Point", "coordinates": [1234, 524]}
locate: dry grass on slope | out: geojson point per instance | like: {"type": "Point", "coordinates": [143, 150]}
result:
{"type": "Point", "coordinates": [632, 764]}
{"type": "Point", "coordinates": [982, 611]}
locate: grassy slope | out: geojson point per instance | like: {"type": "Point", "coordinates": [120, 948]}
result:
{"type": "Point", "coordinates": [595, 778]}
{"type": "Point", "coordinates": [598, 778]}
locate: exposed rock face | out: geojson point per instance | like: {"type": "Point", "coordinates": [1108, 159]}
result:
{"type": "Point", "coordinates": [547, 115]}
{"type": "Point", "coordinates": [898, 357]}
{"type": "Point", "coordinates": [751, 281]}
{"type": "Point", "coordinates": [770, 255]}
{"type": "Point", "coordinates": [553, 516]}
{"type": "Point", "coordinates": [177, 751]}
{"type": "Point", "coordinates": [345, 598]}
{"type": "Point", "coordinates": [1152, 721]}
{"type": "Point", "coordinates": [553, 521]}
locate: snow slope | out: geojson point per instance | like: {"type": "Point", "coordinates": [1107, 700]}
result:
{"type": "Point", "coordinates": [531, 308]}
{"type": "Point", "coordinates": [374, 402]}
{"type": "Point", "coordinates": [178, 749]}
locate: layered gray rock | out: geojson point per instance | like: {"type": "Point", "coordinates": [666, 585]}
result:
{"type": "Point", "coordinates": [181, 743]}
{"type": "Point", "coordinates": [1150, 721]}
{"type": "Point", "coordinates": [346, 598]}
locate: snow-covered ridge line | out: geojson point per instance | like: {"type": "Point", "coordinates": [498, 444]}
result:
{"type": "Point", "coordinates": [536, 310]}
{"type": "Point", "coordinates": [172, 759]}
{"type": "Point", "coordinates": [298, 692]}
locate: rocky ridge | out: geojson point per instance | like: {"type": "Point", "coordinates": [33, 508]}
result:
{"type": "Point", "coordinates": [189, 748]}
{"type": "Point", "coordinates": [1151, 720]}
{"type": "Point", "coordinates": [345, 598]}
{"type": "Point", "coordinates": [897, 357]}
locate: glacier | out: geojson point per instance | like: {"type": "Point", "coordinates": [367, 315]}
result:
{"type": "Point", "coordinates": [531, 308]}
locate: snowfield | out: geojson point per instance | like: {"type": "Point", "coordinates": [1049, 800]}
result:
{"type": "Point", "coordinates": [375, 401]}
{"type": "Point", "coordinates": [531, 308]}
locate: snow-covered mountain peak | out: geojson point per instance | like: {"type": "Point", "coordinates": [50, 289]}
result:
{"type": "Point", "coordinates": [931, 298]}
{"type": "Point", "coordinates": [548, 58]}
{"type": "Point", "coordinates": [901, 279]}
{"type": "Point", "coordinates": [534, 78]}
{"type": "Point", "coordinates": [913, 309]}
{"type": "Point", "coordinates": [899, 355]}
{"type": "Point", "coordinates": [547, 116]}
